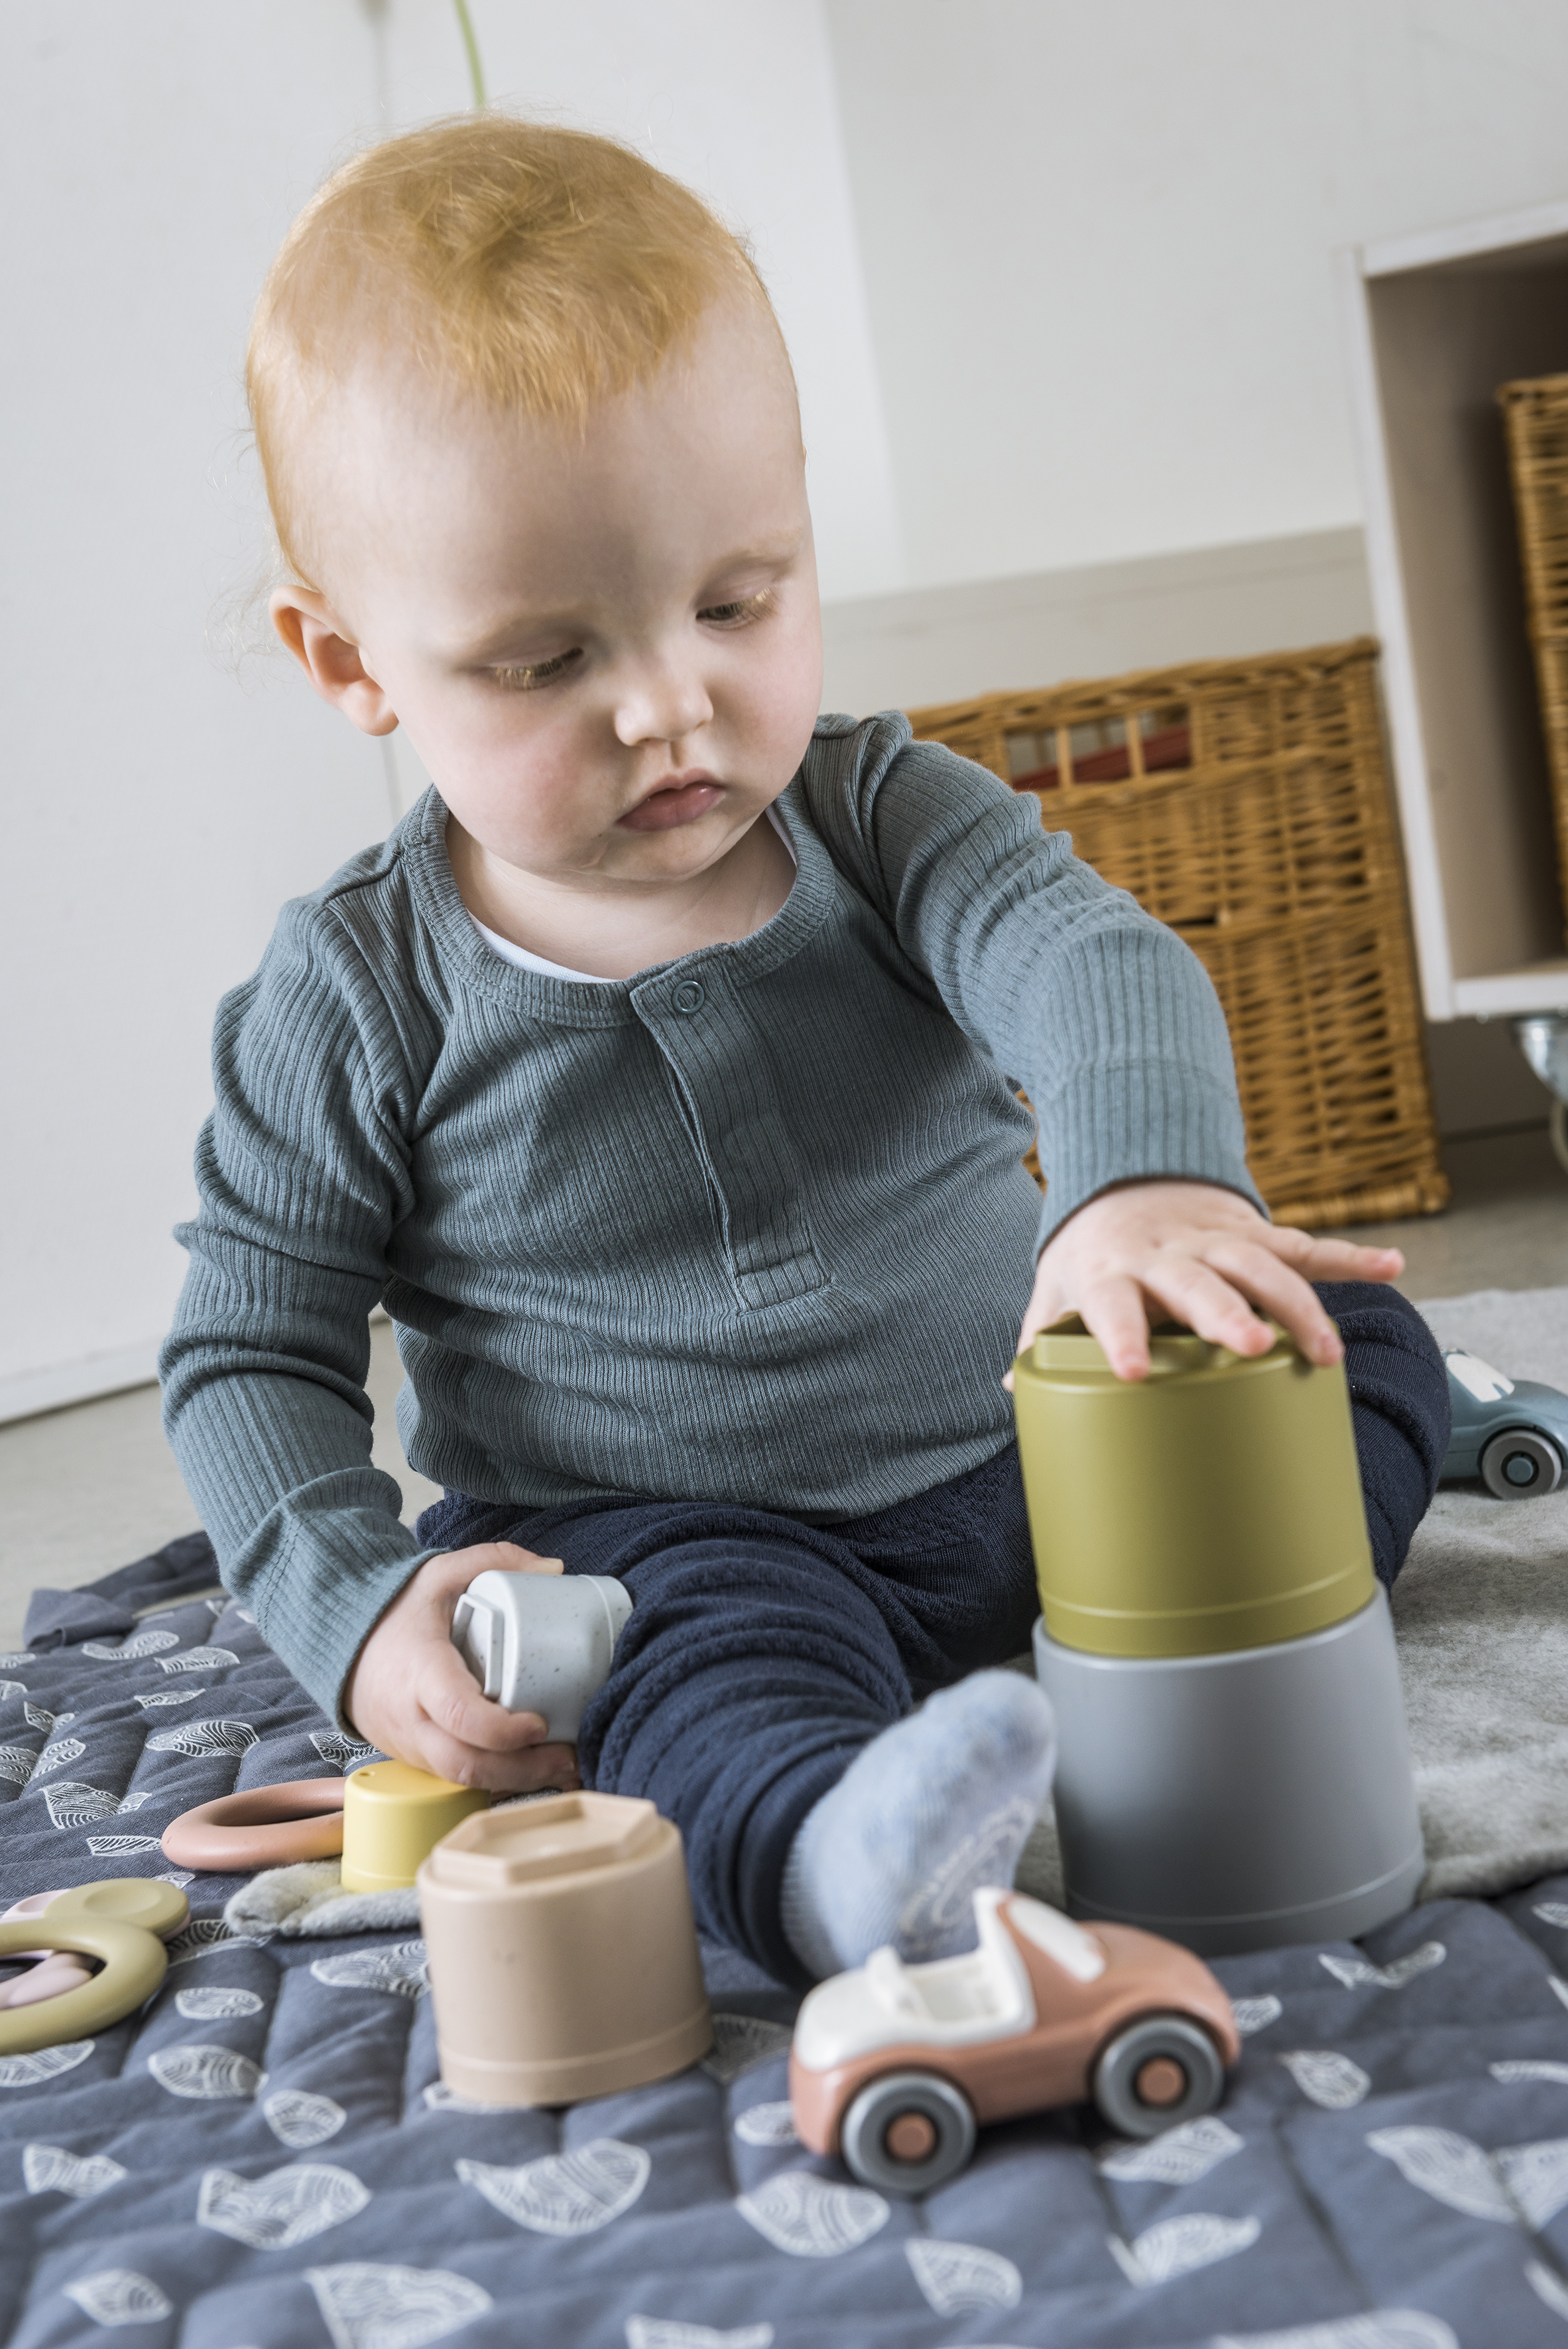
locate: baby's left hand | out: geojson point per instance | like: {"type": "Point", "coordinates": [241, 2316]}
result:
{"type": "Point", "coordinates": [1198, 1255]}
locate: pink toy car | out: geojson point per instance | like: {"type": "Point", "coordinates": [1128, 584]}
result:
{"type": "Point", "coordinates": [893, 2066]}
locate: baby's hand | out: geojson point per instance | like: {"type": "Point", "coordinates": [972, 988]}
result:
{"type": "Point", "coordinates": [411, 1694]}
{"type": "Point", "coordinates": [1198, 1255]}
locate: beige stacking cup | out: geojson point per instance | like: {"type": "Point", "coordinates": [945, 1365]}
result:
{"type": "Point", "coordinates": [562, 1955]}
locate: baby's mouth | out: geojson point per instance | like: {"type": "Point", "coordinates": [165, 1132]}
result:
{"type": "Point", "coordinates": [671, 805]}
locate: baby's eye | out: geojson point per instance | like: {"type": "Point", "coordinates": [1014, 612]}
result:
{"type": "Point", "coordinates": [736, 616]}
{"type": "Point", "coordinates": [538, 673]}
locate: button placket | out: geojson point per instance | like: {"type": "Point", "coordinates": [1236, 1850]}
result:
{"type": "Point", "coordinates": [746, 1157]}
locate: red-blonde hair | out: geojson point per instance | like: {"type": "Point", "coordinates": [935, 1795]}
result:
{"type": "Point", "coordinates": [517, 264]}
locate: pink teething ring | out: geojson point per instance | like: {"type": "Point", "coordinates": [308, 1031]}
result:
{"type": "Point", "coordinates": [266, 1827]}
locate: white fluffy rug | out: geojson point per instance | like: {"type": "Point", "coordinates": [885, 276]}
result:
{"type": "Point", "coordinates": [1481, 1612]}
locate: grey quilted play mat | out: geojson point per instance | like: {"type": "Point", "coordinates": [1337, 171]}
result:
{"type": "Point", "coordinates": [265, 2155]}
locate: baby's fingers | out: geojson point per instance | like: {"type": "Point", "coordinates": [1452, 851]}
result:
{"type": "Point", "coordinates": [1112, 1310]}
{"type": "Point", "coordinates": [1331, 1259]}
{"type": "Point", "coordinates": [453, 1702]}
{"type": "Point", "coordinates": [1193, 1293]}
{"type": "Point", "coordinates": [1277, 1289]}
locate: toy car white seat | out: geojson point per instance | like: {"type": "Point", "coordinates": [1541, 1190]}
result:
{"type": "Point", "coordinates": [957, 2001]}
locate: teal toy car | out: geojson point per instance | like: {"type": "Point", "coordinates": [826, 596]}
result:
{"type": "Point", "coordinates": [1511, 1433]}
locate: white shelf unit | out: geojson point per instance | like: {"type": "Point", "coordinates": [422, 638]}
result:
{"type": "Point", "coordinates": [1436, 322]}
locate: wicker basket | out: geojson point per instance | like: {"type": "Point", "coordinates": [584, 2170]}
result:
{"type": "Point", "coordinates": [1247, 804]}
{"type": "Point", "coordinates": [1536, 418]}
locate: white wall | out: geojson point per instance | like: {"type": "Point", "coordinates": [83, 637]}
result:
{"type": "Point", "coordinates": [156, 813]}
{"type": "Point", "coordinates": [1098, 240]}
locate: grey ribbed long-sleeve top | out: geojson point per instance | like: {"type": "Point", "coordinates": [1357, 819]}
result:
{"type": "Point", "coordinates": [750, 1225]}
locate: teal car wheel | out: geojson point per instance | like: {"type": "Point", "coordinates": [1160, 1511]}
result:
{"type": "Point", "coordinates": [1518, 1463]}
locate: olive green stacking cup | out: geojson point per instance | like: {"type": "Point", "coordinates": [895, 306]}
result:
{"type": "Point", "coordinates": [1214, 1505]}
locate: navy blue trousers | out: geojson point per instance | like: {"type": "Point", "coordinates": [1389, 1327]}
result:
{"type": "Point", "coordinates": [763, 1653]}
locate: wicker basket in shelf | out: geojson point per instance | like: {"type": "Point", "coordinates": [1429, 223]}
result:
{"type": "Point", "coordinates": [1247, 804]}
{"type": "Point", "coordinates": [1535, 417]}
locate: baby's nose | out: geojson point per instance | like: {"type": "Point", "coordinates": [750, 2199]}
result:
{"type": "Point", "coordinates": [662, 702]}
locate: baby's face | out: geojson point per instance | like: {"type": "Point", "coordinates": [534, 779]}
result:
{"type": "Point", "coordinates": [606, 649]}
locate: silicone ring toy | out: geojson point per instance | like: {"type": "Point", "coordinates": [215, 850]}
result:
{"type": "Point", "coordinates": [265, 1826]}
{"type": "Point", "coordinates": [119, 1922]}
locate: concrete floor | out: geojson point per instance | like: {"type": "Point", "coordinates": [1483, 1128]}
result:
{"type": "Point", "coordinates": [84, 1490]}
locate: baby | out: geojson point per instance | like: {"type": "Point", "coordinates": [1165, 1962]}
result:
{"type": "Point", "coordinates": [658, 1073]}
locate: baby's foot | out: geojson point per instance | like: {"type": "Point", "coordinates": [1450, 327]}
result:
{"type": "Point", "coordinates": [934, 1806]}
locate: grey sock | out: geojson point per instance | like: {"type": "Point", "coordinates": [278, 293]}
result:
{"type": "Point", "coordinates": [936, 1807]}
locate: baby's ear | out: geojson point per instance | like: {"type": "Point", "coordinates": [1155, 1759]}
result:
{"type": "Point", "coordinates": [330, 657]}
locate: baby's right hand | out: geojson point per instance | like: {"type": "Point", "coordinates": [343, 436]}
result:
{"type": "Point", "coordinates": [411, 1694]}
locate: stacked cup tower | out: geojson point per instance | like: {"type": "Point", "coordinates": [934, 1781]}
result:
{"type": "Point", "coordinates": [1233, 1770]}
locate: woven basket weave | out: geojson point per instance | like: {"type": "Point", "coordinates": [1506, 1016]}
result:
{"type": "Point", "coordinates": [1247, 804]}
{"type": "Point", "coordinates": [1536, 418]}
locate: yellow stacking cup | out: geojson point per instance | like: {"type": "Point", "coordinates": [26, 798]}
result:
{"type": "Point", "coordinates": [1213, 1506]}
{"type": "Point", "coordinates": [393, 1815]}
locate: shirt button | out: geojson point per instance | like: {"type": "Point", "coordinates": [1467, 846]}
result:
{"type": "Point", "coordinates": [689, 995]}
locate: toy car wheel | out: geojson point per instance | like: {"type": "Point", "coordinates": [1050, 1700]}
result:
{"type": "Point", "coordinates": [908, 2133]}
{"type": "Point", "coordinates": [1156, 2074]}
{"type": "Point", "coordinates": [1518, 1463]}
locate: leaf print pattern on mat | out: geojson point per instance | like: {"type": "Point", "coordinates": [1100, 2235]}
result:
{"type": "Point", "coordinates": [766, 2125]}
{"type": "Point", "coordinates": [38, 1716]}
{"type": "Point", "coordinates": [55, 1756]}
{"type": "Point", "coordinates": [1326, 2077]}
{"type": "Point", "coordinates": [1356, 1973]}
{"type": "Point", "coordinates": [956, 2278]}
{"type": "Point", "coordinates": [216, 2005]}
{"type": "Point", "coordinates": [739, 2042]}
{"type": "Point", "coordinates": [168, 1696]}
{"type": "Point", "coordinates": [14, 1661]}
{"type": "Point", "coordinates": [118, 1846]}
{"type": "Point", "coordinates": [74, 1803]}
{"type": "Point", "coordinates": [564, 2193]}
{"type": "Point", "coordinates": [1449, 2167]}
{"type": "Point", "coordinates": [1383, 2328]}
{"type": "Point", "coordinates": [16, 1763]}
{"type": "Point", "coordinates": [364, 2305]}
{"type": "Point", "coordinates": [196, 1737]}
{"type": "Point", "coordinates": [1177, 2245]}
{"type": "Point", "coordinates": [298, 2117]}
{"type": "Point", "coordinates": [670, 2332]}
{"type": "Point", "coordinates": [198, 1660]}
{"type": "Point", "coordinates": [1552, 1912]}
{"type": "Point", "coordinates": [1530, 2068]}
{"type": "Point", "coordinates": [205, 2071]}
{"type": "Point", "coordinates": [1179, 2158]}
{"type": "Point", "coordinates": [50, 2169]}
{"type": "Point", "coordinates": [119, 2296]}
{"type": "Point", "coordinates": [205, 1934]}
{"type": "Point", "coordinates": [1255, 2013]}
{"type": "Point", "coordinates": [1537, 2177]}
{"type": "Point", "coordinates": [129, 1652]}
{"type": "Point", "coordinates": [400, 1969]}
{"type": "Point", "coordinates": [43, 2064]}
{"type": "Point", "coordinates": [810, 2218]}
{"type": "Point", "coordinates": [333, 1747]}
{"type": "Point", "coordinates": [288, 2207]}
